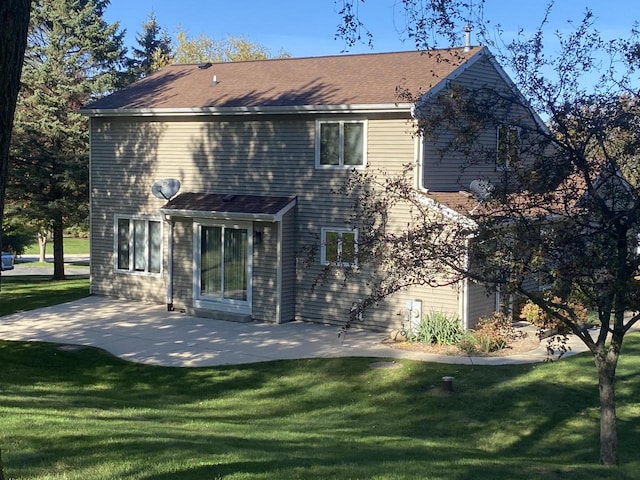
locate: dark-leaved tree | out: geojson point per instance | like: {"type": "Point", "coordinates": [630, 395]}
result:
{"type": "Point", "coordinates": [558, 225]}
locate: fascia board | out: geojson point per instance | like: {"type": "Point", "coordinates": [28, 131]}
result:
{"type": "Point", "coordinates": [256, 217]}
{"type": "Point", "coordinates": [279, 216]}
{"type": "Point", "coordinates": [456, 73]}
{"type": "Point", "coordinates": [484, 52]}
{"type": "Point", "coordinates": [226, 111]}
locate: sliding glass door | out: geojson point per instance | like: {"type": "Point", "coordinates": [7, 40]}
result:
{"type": "Point", "coordinates": [223, 263]}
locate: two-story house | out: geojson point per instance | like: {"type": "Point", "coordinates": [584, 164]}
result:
{"type": "Point", "coordinates": [258, 147]}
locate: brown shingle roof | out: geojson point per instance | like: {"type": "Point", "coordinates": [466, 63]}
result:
{"type": "Point", "coordinates": [367, 79]}
{"type": "Point", "coordinates": [240, 205]}
{"type": "Point", "coordinates": [463, 203]}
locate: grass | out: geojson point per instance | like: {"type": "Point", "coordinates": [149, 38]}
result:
{"type": "Point", "coordinates": [78, 413]}
{"type": "Point", "coordinates": [72, 246]}
{"type": "Point", "coordinates": [83, 414]}
{"type": "Point", "coordinates": [23, 293]}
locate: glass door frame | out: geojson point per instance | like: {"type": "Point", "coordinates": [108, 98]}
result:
{"type": "Point", "coordinates": [219, 303]}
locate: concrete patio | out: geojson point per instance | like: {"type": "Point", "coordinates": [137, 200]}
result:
{"type": "Point", "coordinates": [144, 333]}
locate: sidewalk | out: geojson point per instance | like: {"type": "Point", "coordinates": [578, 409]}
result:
{"type": "Point", "coordinates": [149, 334]}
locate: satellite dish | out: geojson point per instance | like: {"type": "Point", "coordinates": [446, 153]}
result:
{"type": "Point", "coordinates": [166, 188]}
{"type": "Point", "coordinates": [481, 189]}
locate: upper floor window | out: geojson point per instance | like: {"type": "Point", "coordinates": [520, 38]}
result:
{"type": "Point", "coordinates": [508, 148]}
{"type": "Point", "coordinates": [340, 144]}
{"type": "Point", "coordinates": [138, 244]}
{"type": "Point", "coordinates": [339, 246]}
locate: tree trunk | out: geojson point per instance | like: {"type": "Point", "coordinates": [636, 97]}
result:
{"type": "Point", "coordinates": [58, 248]}
{"type": "Point", "coordinates": [1, 467]}
{"type": "Point", "coordinates": [606, 361]}
{"type": "Point", "coordinates": [42, 245]}
{"type": "Point", "coordinates": [14, 22]}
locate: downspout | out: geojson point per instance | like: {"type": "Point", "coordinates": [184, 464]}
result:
{"type": "Point", "coordinates": [170, 266]}
{"type": "Point", "coordinates": [279, 226]}
{"type": "Point", "coordinates": [463, 306]}
{"type": "Point", "coordinates": [91, 223]}
{"type": "Point", "coordinates": [420, 150]}
{"type": "Point", "coordinates": [465, 289]}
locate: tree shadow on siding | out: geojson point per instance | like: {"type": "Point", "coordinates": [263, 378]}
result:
{"type": "Point", "coordinates": [123, 170]}
{"type": "Point", "coordinates": [275, 155]}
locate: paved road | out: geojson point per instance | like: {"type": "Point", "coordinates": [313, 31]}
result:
{"type": "Point", "coordinates": [75, 265]}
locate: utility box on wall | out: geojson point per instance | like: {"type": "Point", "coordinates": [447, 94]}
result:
{"type": "Point", "coordinates": [413, 315]}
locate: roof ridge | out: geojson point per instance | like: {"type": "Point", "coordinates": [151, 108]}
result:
{"type": "Point", "coordinates": [337, 55]}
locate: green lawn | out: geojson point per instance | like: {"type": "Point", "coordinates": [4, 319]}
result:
{"type": "Point", "coordinates": [84, 414]}
{"type": "Point", "coordinates": [22, 293]}
{"type": "Point", "coordinates": [72, 246]}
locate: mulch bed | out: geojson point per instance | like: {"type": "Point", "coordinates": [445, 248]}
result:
{"type": "Point", "coordinates": [522, 345]}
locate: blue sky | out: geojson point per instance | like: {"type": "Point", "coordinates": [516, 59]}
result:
{"type": "Point", "coordinates": [308, 27]}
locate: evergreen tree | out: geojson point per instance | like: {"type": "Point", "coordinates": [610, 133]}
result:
{"type": "Point", "coordinates": [72, 56]}
{"type": "Point", "coordinates": [154, 51]}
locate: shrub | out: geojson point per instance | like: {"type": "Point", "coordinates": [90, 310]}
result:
{"type": "Point", "coordinates": [440, 328]}
{"type": "Point", "coordinates": [492, 333]}
{"type": "Point", "coordinates": [532, 313]}
{"type": "Point", "coordinates": [477, 342]}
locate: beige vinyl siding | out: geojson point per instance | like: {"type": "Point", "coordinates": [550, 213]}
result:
{"type": "Point", "coordinates": [392, 145]}
{"type": "Point", "coordinates": [264, 284]}
{"type": "Point", "coordinates": [390, 314]}
{"type": "Point", "coordinates": [257, 155]}
{"type": "Point", "coordinates": [455, 172]}
{"type": "Point", "coordinates": [288, 274]}
{"type": "Point", "coordinates": [481, 303]}
{"type": "Point", "coordinates": [121, 159]}
{"type": "Point", "coordinates": [389, 145]}
{"type": "Point", "coordinates": [183, 263]}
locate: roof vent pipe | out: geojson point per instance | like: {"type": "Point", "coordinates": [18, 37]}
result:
{"type": "Point", "coordinates": [467, 37]}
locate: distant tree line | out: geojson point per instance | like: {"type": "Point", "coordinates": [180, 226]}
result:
{"type": "Point", "coordinates": [156, 49]}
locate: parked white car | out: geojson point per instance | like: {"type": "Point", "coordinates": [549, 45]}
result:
{"type": "Point", "coordinates": [7, 261]}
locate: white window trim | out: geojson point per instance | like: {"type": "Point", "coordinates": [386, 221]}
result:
{"type": "Point", "coordinates": [341, 165]}
{"type": "Point", "coordinates": [500, 167]}
{"type": "Point", "coordinates": [323, 245]}
{"type": "Point", "coordinates": [131, 270]}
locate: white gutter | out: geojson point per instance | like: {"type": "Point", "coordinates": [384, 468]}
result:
{"type": "Point", "coordinates": [259, 110]}
{"type": "Point", "coordinates": [90, 210]}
